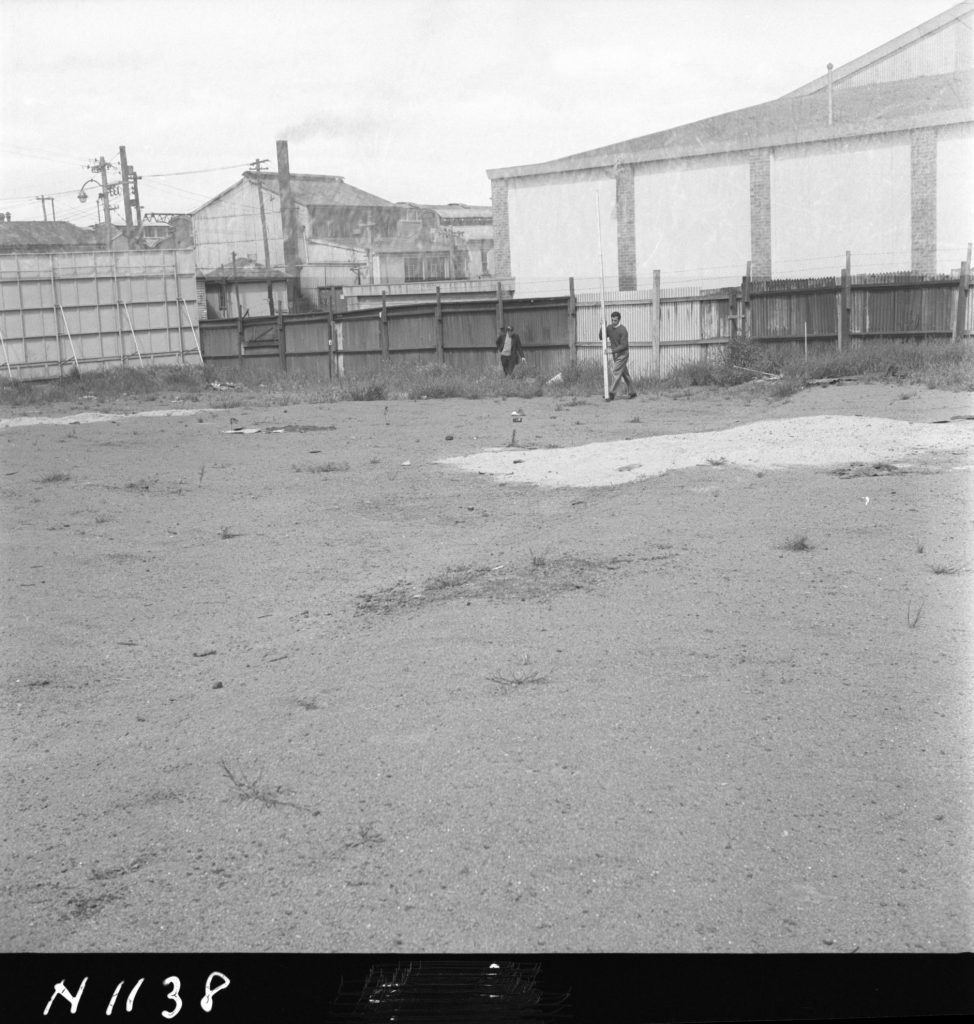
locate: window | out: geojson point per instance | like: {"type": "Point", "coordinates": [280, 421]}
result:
{"type": "Point", "coordinates": [414, 268]}
{"type": "Point", "coordinates": [435, 268]}
{"type": "Point", "coordinates": [425, 268]}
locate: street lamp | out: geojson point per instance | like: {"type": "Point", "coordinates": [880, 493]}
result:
{"type": "Point", "coordinates": [102, 165]}
{"type": "Point", "coordinates": [82, 195]}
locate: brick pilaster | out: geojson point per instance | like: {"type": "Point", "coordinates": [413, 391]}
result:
{"type": "Point", "coordinates": [923, 201]}
{"type": "Point", "coordinates": [626, 227]}
{"type": "Point", "coordinates": [502, 228]}
{"type": "Point", "coordinates": [760, 168]}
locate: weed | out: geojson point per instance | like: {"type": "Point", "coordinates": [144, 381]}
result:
{"type": "Point", "coordinates": [721, 461]}
{"type": "Point", "coordinates": [249, 785]}
{"type": "Point", "coordinates": [539, 561]}
{"type": "Point", "coordinates": [919, 545]}
{"type": "Point", "coordinates": [226, 533]}
{"type": "Point", "coordinates": [913, 614]}
{"type": "Point", "coordinates": [55, 478]}
{"type": "Point", "coordinates": [367, 835]}
{"type": "Point", "coordinates": [942, 569]}
{"type": "Point", "coordinates": [798, 543]}
{"type": "Point", "coordinates": [519, 679]}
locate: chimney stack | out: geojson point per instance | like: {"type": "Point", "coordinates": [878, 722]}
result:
{"type": "Point", "coordinates": [289, 223]}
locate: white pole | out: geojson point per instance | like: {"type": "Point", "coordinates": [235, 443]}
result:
{"type": "Point", "coordinates": [603, 333]}
{"type": "Point", "coordinates": [134, 338]}
{"type": "Point", "coordinates": [4, 344]}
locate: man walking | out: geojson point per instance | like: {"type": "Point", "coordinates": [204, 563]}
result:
{"type": "Point", "coordinates": [619, 343]}
{"type": "Point", "coordinates": [509, 346]}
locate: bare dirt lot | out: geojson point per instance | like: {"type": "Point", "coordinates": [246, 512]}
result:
{"type": "Point", "coordinates": [317, 687]}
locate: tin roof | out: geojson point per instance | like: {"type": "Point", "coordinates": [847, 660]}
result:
{"type": "Point", "coordinates": [45, 235]}
{"type": "Point", "coordinates": [320, 190]}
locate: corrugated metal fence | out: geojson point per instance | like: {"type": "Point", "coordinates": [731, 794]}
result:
{"type": "Point", "coordinates": [89, 310]}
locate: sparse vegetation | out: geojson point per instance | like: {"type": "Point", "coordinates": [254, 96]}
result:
{"type": "Point", "coordinates": [743, 363]}
{"type": "Point", "coordinates": [798, 543]}
{"type": "Point", "coordinates": [226, 533]}
{"type": "Point", "coordinates": [55, 478]}
{"type": "Point", "coordinates": [942, 569]}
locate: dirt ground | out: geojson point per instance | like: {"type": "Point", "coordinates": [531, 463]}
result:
{"type": "Point", "coordinates": [687, 673]}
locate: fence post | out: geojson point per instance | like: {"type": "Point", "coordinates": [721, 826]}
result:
{"type": "Point", "coordinates": [240, 339]}
{"type": "Point", "coordinates": [572, 322]}
{"type": "Point", "coordinates": [963, 288]}
{"type": "Point", "coordinates": [384, 329]}
{"type": "Point", "coordinates": [331, 336]}
{"type": "Point", "coordinates": [655, 323]}
{"type": "Point", "coordinates": [745, 324]}
{"type": "Point", "coordinates": [845, 300]}
{"type": "Point", "coordinates": [282, 342]}
{"type": "Point", "coordinates": [57, 326]}
{"type": "Point", "coordinates": [438, 326]}
{"type": "Point", "coordinates": [500, 310]}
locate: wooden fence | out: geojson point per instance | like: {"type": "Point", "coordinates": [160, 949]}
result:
{"type": "Point", "coordinates": [356, 342]}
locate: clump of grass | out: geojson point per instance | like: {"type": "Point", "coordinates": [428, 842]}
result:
{"type": "Point", "coordinates": [932, 364]}
{"type": "Point", "coordinates": [366, 835]}
{"type": "Point", "coordinates": [942, 569]}
{"type": "Point", "coordinates": [913, 614]}
{"type": "Point", "coordinates": [800, 542]}
{"type": "Point", "coordinates": [55, 478]}
{"type": "Point", "coordinates": [540, 560]}
{"type": "Point", "coordinates": [919, 545]}
{"type": "Point", "coordinates": [227, 533]}
{"type": "Point", "coordinates": [322, 467]}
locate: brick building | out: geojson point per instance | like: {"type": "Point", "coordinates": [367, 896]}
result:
{"type": "Point", "coordinates": [875, 157]}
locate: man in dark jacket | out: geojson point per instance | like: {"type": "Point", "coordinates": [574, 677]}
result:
{"type": "Point", "coordinates": [509, 347]}
{"type": "Point", "coordinates": [619, 343]}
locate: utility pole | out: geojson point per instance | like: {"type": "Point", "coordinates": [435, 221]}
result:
{"type": "Point", "coordinates": [102, 167]}
{"type": "Point", "coordinates": [263, 225]}
{"type": "Point", "coordinates": [126, 197]}
{"type": "Point", "coordinates": [44, 201]}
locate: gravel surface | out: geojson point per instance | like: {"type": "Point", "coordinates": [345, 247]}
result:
{"type": "Point", "coordinates": [412, 676]}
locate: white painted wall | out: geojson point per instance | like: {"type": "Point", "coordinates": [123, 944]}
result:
{"type": "Point", "coordinates": [833, 197]}
{"type": "Point", "coordinates": [955, 196]}
{"type": "Point", "coordinates": [693, 223]}
{"type": "Point", "coordinates": [554, 232]}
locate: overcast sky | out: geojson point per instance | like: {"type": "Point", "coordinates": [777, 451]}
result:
{"type": "Point", "coordinates": [408, 99]}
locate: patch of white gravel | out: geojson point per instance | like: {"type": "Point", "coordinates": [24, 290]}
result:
{"type": "Point", "coordinates": [92, 417]}
{"type": "Point", "coordinates": [764, 445]}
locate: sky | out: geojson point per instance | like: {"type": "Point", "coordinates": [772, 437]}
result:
{"type": "Point", "coordinates": [411, 100]}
